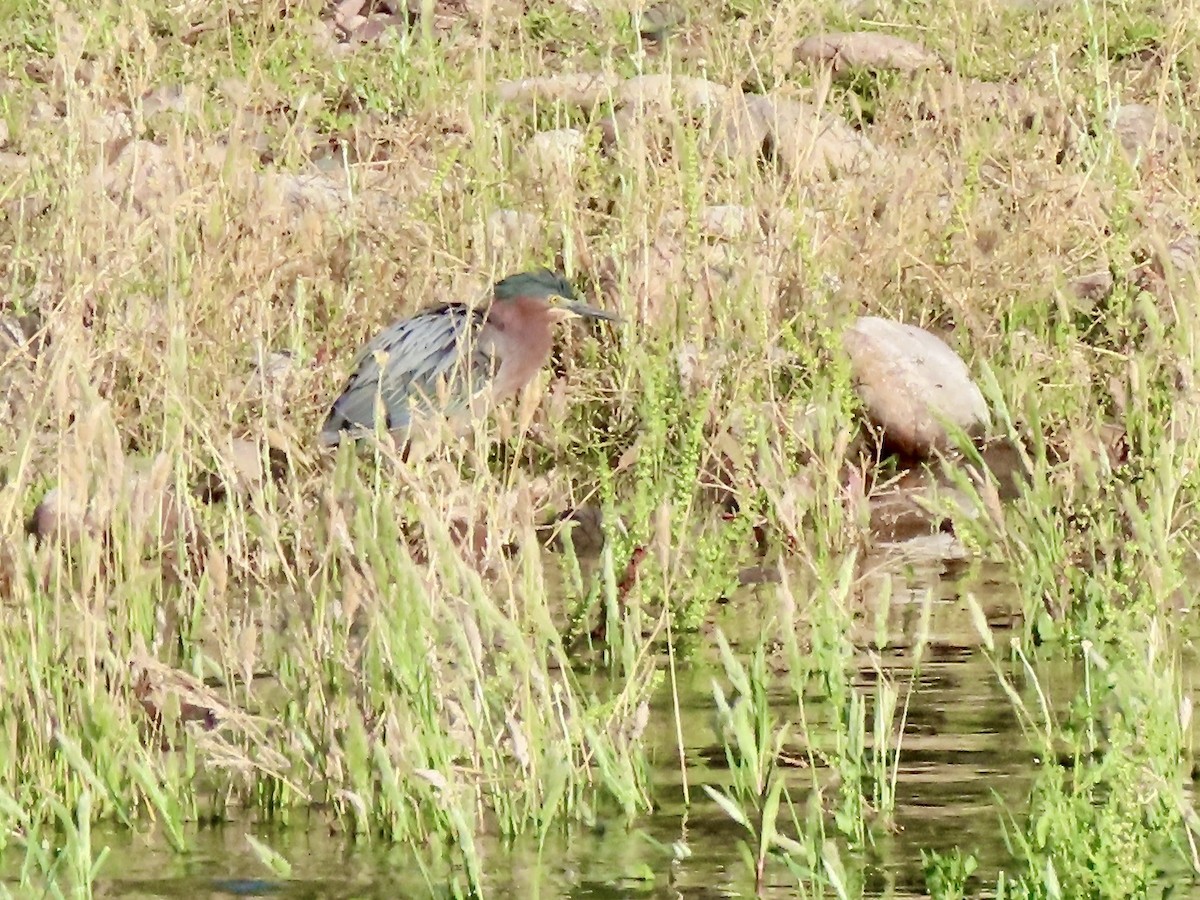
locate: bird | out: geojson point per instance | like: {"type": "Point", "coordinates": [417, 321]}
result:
{"type": "Point", "coordinates": [436, 362]}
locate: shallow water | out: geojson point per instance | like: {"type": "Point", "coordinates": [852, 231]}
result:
{"type": "Point", "coordinates": [964, 765]}
{"type": "Point", "coordinates": [959, 747]}
{"type": "Point", "coordinates": [961, 744]}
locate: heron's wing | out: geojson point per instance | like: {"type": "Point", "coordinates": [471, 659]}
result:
{"type": "Point", "coordinates": [419, 364]}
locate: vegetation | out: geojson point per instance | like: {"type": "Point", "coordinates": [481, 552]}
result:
{"type": "Point", "coordinates": [207, 208]}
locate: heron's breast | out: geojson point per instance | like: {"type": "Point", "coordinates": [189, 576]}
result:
{"type": "Point", "coordinates": [520, 357]}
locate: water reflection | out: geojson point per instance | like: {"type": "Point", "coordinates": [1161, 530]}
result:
{"type": "Point", "coordinates": [962, 749]}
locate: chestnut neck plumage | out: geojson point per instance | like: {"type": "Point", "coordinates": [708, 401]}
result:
{"type": "Point", "coordinates": [523, 339]}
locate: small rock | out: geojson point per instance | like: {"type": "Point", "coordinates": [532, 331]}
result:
{"type": "Point", "coordinates": [660, 274]}
{"type": "Point", "coordinates": [804, 141]}
{"type": "Point", "coordinates": [271, 376]}
{"type": "Point", "coordinates": [1101, 442]}
{"type": "Point", "coordinates": [1169, 247]}
{"type": "Point", "coordinates": [1006, 464]}
{"type": "Point", "coordinates": [582, 89]}
{"type": "Point", "coordinates": [21, 341]}
{"type": "Point", "coordinates": [24, 207]}
{"type": "Point", "coordinates": [59, 514]}
{"type": "Point", "coordinates": [911, 383]}
{"type": "Point", "coordinates": [903, 513]}
{"type": "Point", "coordinates": [743, 130]}
{"type": "Point", "coordinates": [171, 98]}
{"type": "Point", "coordinates": [650, 274]}
{"type": "Point", "coordinates": [347, 10]}
{"type": "Point", "coordinates": [658, 94]}
{"type": "Point", "coordinates": [688, 359]}
{"type": "Point", "coordinates": [1167, 262]}
{"type": "Point", "coordinates": [236, 92]}
{"type": "Point", "coordinates": [444, 15]}
{"type": "Point", "coordinates": [726, 222]}
{"type": "Point", "coordinates": [14, 164]}
{"type": "Point", "coordinates": [648, 107]}
{"type": "Point", "coordinates": [846, 51]}
{"type": "Point", "coordinates": [657, 22]}
{"type": "Point", "coordinates": [1141, 129]}
{"type": "Point", "coordinates": [376, 27]}
{"type": "Point", "coordinates": [12, 335]}
{"type": "Point", "coordinates": [1182, 254]}
{"type": "Point", "coordinates": [136, 492]}
{"type": "Point", "coordinates": [955, 97]}
{"type": "Point", "coordinates": [293, 200]}
{"type": "Point", "coordinates": [1093, 288]}
{"type": "Point", "coordinates": [276, 368]}
{"type": "Point", "coordinates": [755, 575]}
{"type": "Point", "coordinates": [242, 470]}
{"type": "Point", "coordinates": [110, 127]}
{"type": "Point", "coordinates": [733, 125]}
{"type": "Point", "coordinates": [148, 173]}
{"type": "Point", "coordinates": [610, 131]}
{"type": "Point", "coordinates": [584, 524]}
{"type": "Point", "coordinates": [511, 228]}
{"type": "Point", "coordinates": [554, 155]}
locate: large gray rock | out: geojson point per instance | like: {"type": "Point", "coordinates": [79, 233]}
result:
{"type": "Point", "coordinates": [912, 384]}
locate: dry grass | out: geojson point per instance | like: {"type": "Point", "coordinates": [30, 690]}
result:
{"type": "Point", "coordinates": [206, 209]}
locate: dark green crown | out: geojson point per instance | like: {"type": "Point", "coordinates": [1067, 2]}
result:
{"type": "Point", "coordinates": [538, 283]}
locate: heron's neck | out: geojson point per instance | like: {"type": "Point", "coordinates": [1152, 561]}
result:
{"type": "Point", "coordinates": [521, 331]}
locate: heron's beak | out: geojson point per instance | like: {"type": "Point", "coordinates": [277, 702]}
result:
{"type": "Point", "coordinates": [581, 309]}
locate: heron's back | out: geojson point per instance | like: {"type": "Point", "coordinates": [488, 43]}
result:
{"type": "Point", "coordinates": [430, 363]}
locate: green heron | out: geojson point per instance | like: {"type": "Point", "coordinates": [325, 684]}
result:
{"type": "Point", "coordinates": [442, 358]}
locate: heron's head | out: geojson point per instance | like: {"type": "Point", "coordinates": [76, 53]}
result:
{"type": "Point", "coordinates": [553, 290]}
